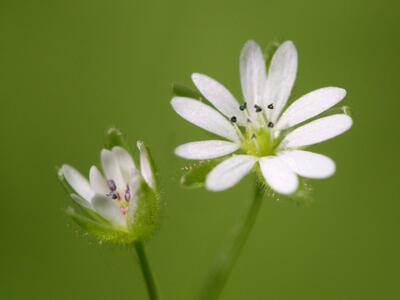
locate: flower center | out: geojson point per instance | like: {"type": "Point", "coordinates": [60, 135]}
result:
{"type": "Point", "coordinates": [121, 198]}
{"type": "Point", "coordinates": [255, 135]}
{"type": "Point", "coordinates": [257, 142]}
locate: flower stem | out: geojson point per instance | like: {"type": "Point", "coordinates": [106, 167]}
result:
{"type": "Point", "coordinates": [146, 271]}
{"type": "Point", "coordinates": [232, 249]}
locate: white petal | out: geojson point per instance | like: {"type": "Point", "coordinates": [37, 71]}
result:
{"type": "Point", "coordinates": [97, 181]}
{"type": "Point", "coordinates": [205, 149]}
{"type": "Point", "coordinates": [317, 131]}
{"type": "Point", "coordinates": [219, 96]}
{"type": "Point", "coordinates": [108, 209]}
{"type": "Point", "coordinates": [77, 182]}
{"type": "Point", "coordinates": [146, 167]}
{"type": "Point", "coordinates": [204, 116]}
{"type": "Point", "coordinates": [252, 73]}
{"type": "Point", "coordinates": [278, 175]}
{"type": "Point", "coordinates": [80, 201]}
{"type": "Point", "coordinates": [229, 172]}
{"type": "Point", "coordinates": [280, 78]}
{"type": "Point", "coordinates": [310, 105]}
{"type": "Point", "coordinates": [111, 168]}
{"type": "Point", "coordinates": [308, 164]}
{"type": "Point", "coordinates": [125, 162]}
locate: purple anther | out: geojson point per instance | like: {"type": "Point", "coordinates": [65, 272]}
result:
{"type": "Point", "coordinates": [127, 195]}
{"type": "Point", "coordinates": [111, 185]}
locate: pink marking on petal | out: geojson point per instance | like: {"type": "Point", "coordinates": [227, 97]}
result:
{"type": "Point", "coordinates": [124, 210]}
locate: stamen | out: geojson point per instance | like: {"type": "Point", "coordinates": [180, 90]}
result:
{"type": "Point", "coordinates": [270, 106]}
{"type": "Point", "coordinates": [257, 108]}
{"type": "Point", "coordinates": [240, 134]}
{"type": "Point", "coordinates": [246, 113]}
{"type": "Point", "coordinates": [233, 119]}
{"type": "Point", "coordinates": [243, 106]}
{"type": "Point", "coordinates": [127, 195]}
{"type": "Point", "coordinates": [254, 139]}
{"type": "Point", "coordinates": [262, 119]}
{"type": "Point", "coordinates": [115, 196]}
{"type": "Point", "coordinates": [111, 185]}
{"type": "Point", "coordinates": [270, 125]}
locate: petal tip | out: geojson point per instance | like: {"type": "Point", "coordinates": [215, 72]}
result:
{"type": "Point", "coordinates": [195, 76]}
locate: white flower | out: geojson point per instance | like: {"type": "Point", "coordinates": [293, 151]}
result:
{"type": "Point", "coordinates": [114, 196]}
{"type": "Point", "coordinates": [256, 131]}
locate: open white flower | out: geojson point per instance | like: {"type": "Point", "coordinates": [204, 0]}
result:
{"type": "Point", "coordinates": [112, 201]}
{"type": "Point", "coordinates": [256, 130]}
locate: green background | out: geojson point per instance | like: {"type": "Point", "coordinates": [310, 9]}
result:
{"type": "Point", "coordinates": [69, 69]}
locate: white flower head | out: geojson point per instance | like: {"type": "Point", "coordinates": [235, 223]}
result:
{"type": "Point", "coordinates": [256, 132]}
{"type": "Point", "coordinates": [120, 204]}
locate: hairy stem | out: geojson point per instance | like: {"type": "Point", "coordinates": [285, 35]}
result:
{"type": "Point", "coordinates": [146, 271]}
{"type": "Point", "coordinates": [232, 249]}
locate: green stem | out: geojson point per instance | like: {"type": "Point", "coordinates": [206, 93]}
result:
{"type": "Point", "coordinates": [230, 253]}
{"type": "Point", "coordinates": [146, 271]}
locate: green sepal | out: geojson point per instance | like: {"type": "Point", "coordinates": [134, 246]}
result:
{"type": "Point", "coordinates": [97, 226]}
{"type": "Point", "coordinates": [114, 137]}
{"type": "Point", "coordinates": [195, 175]}
{"type": "Point", "coordinates": [347, 110]}
{"type": "Point", "coordinates": [144, 219]}
{"type": "Point", "coordinates": [145, 153]}
{"type": "Point", "coordinates": [181, 90]}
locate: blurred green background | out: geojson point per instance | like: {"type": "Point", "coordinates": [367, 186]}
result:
{"type": "Point", "coordinates": [71, 68]}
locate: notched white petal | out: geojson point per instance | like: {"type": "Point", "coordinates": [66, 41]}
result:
{"type": "Point", "coordinates": [280, 78]}
{"type": "Point", "coordinates": [79, 183]}
{"type": "Point", "coordinates": [317, 131]}
{"type": "Point", "coordinates": [309, 164]}
{"type": "Point", "coordinates": [252, 73]}
{"type": "Point", "coordinates": [125, 162]}
{"type": "Point", "coordinates": [229, 172]}
{"type": "Point", "coordinates": [219, 96]}
{"type": "Point", "coordinates": [97, 181]}
{"type": "Point", "coordinates": [310, 105]}
{"type": "Point", "coordinates": [204, 117]}
{"type": "Point", "coordinates": [111, 168]}
{"type": "Point", "coordinates": [278, 175]}
{"type": "Point", "coordinates": [206, 149]}
{"type": "Point", "coordinates": [109, 210]}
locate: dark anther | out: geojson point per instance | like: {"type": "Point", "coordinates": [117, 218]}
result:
{"type": "Point", "coordinates": [248, 121]}
{"type": "Point", "coordinates": [243, 106]}
{"type": "Point", "coordinates": [270, 125]}
{"type": "Point", "coordinates": [114, 196]}
{"type": "Point", "coordinates": [127, 195]}
{"type": "Point", "coordinates": [258, 108]}
{"type": "Point", "coordinates": [253, 136]}
{"type": "Point", "coordinates": [271, 106]}
{"type": "Point", "coordinates": [111, 185]}
{"type": "Point", "coordinates": [233, 119]}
